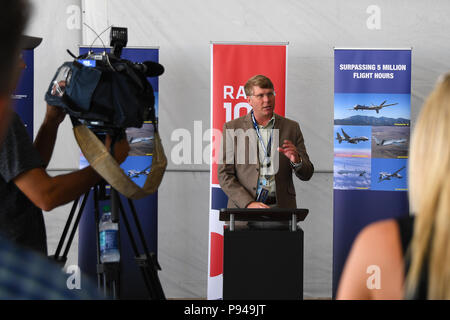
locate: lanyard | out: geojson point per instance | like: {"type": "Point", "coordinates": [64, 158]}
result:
{"type": "Point", "coordinates": [267, 150]}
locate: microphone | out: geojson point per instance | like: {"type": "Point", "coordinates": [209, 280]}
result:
{"type": "Point", "coordinates": [150, 68]}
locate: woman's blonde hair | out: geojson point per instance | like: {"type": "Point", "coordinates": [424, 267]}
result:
{"type": "Point", "coordinates": [429, 187]}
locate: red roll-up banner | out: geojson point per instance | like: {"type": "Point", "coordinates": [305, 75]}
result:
{"type": "Point", "coordinates": [232, 64]}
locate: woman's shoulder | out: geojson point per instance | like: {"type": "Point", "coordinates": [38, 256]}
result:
{"type": "Point", "coordinates": [379, 237]}
{"type": "Point", "coordinates": [386, 232]}
{"type": "Point", "coordinates": [375, 255]}
{"type": "Point", "coordinates": [380, 228]}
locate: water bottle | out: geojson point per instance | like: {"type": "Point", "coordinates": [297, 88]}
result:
{"type": "Point", "coordinates": [109, 240]}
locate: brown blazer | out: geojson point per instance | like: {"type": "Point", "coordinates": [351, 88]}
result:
{"type": "Point", "coordinates": [239, 178]}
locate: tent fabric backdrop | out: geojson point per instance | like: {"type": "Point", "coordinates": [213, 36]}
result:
{"type": "Point", "coordinates": [183, 31]}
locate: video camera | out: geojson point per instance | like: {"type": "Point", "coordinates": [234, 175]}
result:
{"type": "Point", "coordinates": [104, 91]}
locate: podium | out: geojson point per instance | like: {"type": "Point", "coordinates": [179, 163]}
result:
{"type": "Point", "coordinates": [263, 264]}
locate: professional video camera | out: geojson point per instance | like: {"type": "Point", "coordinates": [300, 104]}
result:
{"type": "Point", "coordinates": [104, 91]}
{"type": "Point", "coordinates": [104, 94]}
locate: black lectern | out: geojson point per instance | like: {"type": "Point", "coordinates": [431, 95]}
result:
{"type": "Point", "coordinates": [263, 264]}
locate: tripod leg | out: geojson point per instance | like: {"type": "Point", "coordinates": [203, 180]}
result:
{"type": "Point", "coordinates": [107, 273]}
{"type": "Point", "coordinates": [147, 279]}
{"type": "Point", "coordinates": [139, 228]}
{"type": "Point", "coordinates": [75, 226]}
{"type": "Point", "coordinates": [115, 269]}
{"type": "Point", "coordinates": [105, 290]}
{"type": "Point", "coordinates": [97, 233]}
{"type": "Point", "coordinates": [150, 267]}
{"type": "Point", "coordinates": [66, 229]}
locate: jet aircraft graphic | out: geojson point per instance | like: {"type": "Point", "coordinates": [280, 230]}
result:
{"type": "Point", "coordinates": [388, 142]}
{"type": "Point", "coordinates": [135, 173]}
{"type": "Point", "coordinates": [387, 176]}
{"type": "Point", "coordinates": [349, 139]}
{"type": "Point", "coordinates": [375, 107]}
{"type": "Point", "coordinates": [360, 173]}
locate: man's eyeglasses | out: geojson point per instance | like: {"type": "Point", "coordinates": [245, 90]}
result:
{"type": "Point", "coordinates": [269, 95]}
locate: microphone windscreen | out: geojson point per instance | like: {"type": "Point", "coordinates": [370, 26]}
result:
{"type": "Point", "coordinates": [153, 69]}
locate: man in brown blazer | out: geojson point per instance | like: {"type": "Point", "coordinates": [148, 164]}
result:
{"type": "Point", "coordinates": [260, 152]}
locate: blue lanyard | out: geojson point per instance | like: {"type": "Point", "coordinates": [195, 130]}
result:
{"type": "Point", "coordinates": [267, 150]}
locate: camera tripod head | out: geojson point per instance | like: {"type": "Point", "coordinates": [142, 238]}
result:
{"type": "Point", "coordinates": [119, 40]}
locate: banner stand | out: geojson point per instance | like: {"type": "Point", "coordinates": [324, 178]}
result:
{"type": "Point", "coordinates": [232, 64]}
{"type": "Point", "coordinates": [372, 118]}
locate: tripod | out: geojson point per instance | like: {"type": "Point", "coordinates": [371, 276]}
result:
{"type": "Point", "coordinates": [108, 273]}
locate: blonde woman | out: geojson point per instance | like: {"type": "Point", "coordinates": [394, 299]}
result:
{"type": "Point", "coordinates": [380, 247]}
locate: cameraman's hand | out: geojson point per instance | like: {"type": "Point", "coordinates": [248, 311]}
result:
{"type": "Point", "coordinates": [58, 88]}
{"type": "Point", "coordinates": [54, 115]}
{"type": "Point", "coordinates": [121, 148]}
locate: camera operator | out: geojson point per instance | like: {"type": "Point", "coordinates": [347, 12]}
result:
{"type": "Point", "coordinates": [25, 187]}
{"type": "Point", "coordinates": [23, 273]}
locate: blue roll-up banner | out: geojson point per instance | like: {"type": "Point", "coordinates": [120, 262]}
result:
{"type": "Point", "coordinates": [372, 116]}
{"type": "Point", "coordinates": [23, 96]}
{"type": "Point", "coordinates": [137, 166]}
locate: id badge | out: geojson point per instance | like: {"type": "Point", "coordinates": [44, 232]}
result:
{"type": "Point", "coordinates": [262, 195]}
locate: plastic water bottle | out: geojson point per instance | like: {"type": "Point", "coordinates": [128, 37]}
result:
{"type": "Point", "coordinates": [109, 240]}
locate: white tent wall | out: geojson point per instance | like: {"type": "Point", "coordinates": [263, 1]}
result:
{"type": "Point", "coordinates": [183, 31]}
{"type": "Point", "coordinates": [59, 24]}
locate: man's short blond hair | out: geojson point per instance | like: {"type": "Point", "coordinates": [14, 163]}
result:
{"type": "Point", "coordinates": [257, 81]}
